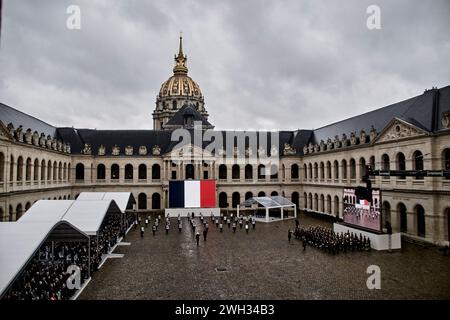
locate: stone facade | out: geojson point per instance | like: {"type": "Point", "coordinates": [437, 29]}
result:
{"type": "Point", "coordinates": [314, 181]}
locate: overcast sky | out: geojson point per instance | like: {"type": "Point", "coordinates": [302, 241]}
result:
{"type": "Point", "coordinates": [260, 64]}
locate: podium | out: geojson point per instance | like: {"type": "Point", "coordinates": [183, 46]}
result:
{"type": "Point", "coordinates": [378, 241]}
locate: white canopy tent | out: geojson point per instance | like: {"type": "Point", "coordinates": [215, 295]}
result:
{"type": "Point", "coordinates": [47, 211]}
{"type": "Point", "coordinates": [20, 241]}
{"type": "Point", "coordinates": [124, 200]}
{"type": "Point", "coordinates": [272, 202]}
{"type": "Point", "coordinates": [48, 220]}
{"type": "Point", "coordinates": [84, 215]}
{"type": "Point", "coordinates": [89, 215]}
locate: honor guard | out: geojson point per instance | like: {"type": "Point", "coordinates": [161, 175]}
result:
{"type": "Point", "coordinates": [197, 237]}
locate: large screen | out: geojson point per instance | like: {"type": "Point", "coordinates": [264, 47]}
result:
{"type": "Point", "coordinates": [361, 211]}
{"type": "Point", "coordinates": [192, 194]}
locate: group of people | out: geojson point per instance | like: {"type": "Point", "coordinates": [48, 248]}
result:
{"type": "Point", "coordinates": [329, 241]}
{"type": "Point", "coordinates": [45, 277]}
{"type": "Point", "coordinates": [232, 221]}
{"type": "Point", "coordinates": [113, 227]}
{"type": "Point", "coordinates": [144, 224]}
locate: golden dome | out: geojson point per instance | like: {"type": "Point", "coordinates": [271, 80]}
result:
{"type": "Point", "coordinates": [180, 84]}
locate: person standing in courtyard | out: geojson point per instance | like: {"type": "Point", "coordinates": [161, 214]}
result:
{"type": "Point", "coordinates": [205, 233]}
{"type": "Point", "coordinates": [246, 228]}
{"type": "Point", "coordinates": [253, 223]}
{"type": "Point", "coordinates": [234, 227]}
{"type": "Point", "coordinates": [221, 227]}
{"type": "Point", "coordinates": [180, 226]}
{"type": "Point", "coordinates": [167, 228]}
{"type": "Point", "coordinates": [304, 243]}
{"type": "Point", "coordinates": [289, 235]}
{"type": "Point", "coordinates": [142, 231]}
{"type": "Point", "coordinates": [154, 230]}
{"type": "Point", "coordinates": [146, 223]}
{"type": "Point", "coordinates": [197, 237]}
{"type": "Point", "coordinates": [217, 222]}
{"type": "Point", "coordinates": [229, 223]}
{"type": "Point", "coordinates": [193, 227]}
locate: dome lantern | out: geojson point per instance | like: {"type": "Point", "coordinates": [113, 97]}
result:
{"type": "Point", "coordinates": [177, 90]}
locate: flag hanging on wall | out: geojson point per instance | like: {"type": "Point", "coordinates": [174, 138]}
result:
{"type": "Point", "coordinates": [192, 194]}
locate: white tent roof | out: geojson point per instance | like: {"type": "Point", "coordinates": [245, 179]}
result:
{"type": "Point", "coordinates": [88, 215]}
{"type": "Point", "coordinates": [47, 210]}
{"type": "Point", "coordinates": [121, 198]}
{"type": "Point", "coordinates": [269, 202]}
{"type": "Point", "coordinates": [84, 215]}
{"type": "Point", "coordinates": [18, 243]}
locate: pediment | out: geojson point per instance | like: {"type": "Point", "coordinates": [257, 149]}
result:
{"type": "Point", "coordinates": [399, 129]}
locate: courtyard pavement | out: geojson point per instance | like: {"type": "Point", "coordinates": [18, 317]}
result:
{"type": "Point", "coordinates": [262, 265]}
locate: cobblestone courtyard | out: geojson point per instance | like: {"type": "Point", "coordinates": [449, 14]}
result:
{"type": "Point", "coordinates": [262, 265]}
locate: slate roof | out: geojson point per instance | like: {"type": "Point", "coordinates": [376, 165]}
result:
{"type": "Point", "coordinates": [17, 118]}
{"type": "Point", "coordinates": [424, 111]}
{"type": "Point", "coordinates": [178, 117]}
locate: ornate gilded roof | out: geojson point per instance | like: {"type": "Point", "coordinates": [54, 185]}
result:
{"type": "Point", "coordinates": [180, 84]}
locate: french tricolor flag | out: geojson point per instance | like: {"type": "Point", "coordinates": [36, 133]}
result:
{"type": "Point", "coordinates": [192, 194]}
{"type": "Point", "coordinates": [364, 202]}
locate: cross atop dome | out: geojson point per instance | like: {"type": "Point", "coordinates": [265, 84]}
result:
{"type": "Point", "coordinates": [180, 59]}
